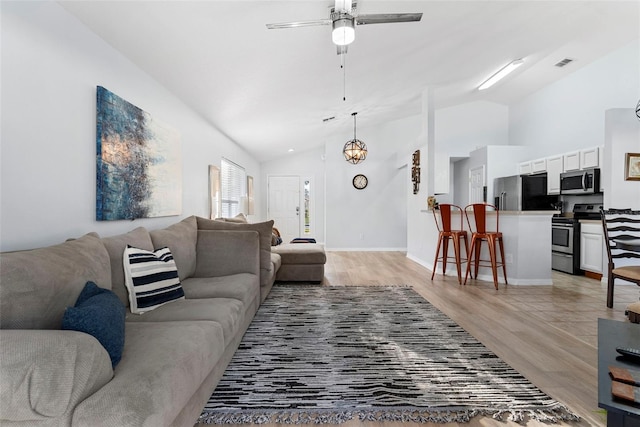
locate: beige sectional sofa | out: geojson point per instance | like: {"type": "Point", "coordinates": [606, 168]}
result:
{"type": "Point", "coordinates": [173, 356]}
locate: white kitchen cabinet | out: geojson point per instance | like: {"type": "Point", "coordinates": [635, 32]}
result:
{"type": "Point", "coordinates": [538, 165]}
{"type": "Point", "coordinates": [524, 168]}
{"type": "Point", "coordinates": [589, 158]}
{"type": "Point", "coordinates": [571, 161]}
{"type": "Point", "coordinates": [591, 246]}
{"type": "Point", "coordinates": [554, 169]}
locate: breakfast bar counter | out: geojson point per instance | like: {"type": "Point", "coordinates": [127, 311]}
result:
{"type": "Point", "coordinates": [527, 245]}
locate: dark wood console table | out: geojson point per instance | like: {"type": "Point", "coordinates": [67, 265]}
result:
{"type": "Point", "coordinates": [612, 334]}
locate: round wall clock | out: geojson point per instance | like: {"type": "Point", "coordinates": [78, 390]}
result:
{"type": "Point", "coordinates": [360, 181]}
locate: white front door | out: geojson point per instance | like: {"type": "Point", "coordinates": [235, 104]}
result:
{"type": "Point", "coordinates": [284, 205]}
{"type": "Point", "coordinates": [476, 185]}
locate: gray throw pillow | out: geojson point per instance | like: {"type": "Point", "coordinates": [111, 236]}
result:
{"type": "Point", "coordinates": [181, 238]}
{"type": "Point", "coordinates": [116, 245]}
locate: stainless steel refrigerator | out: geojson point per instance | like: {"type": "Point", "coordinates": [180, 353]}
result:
{"type": "Point", "coordinates": [523, 193]}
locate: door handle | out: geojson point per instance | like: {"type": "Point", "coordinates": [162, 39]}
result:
{"type": "Point", "coordinates": [584, 181]}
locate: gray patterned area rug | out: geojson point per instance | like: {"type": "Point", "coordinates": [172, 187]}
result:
{"type": "Point", "coordinates": [320, 354]}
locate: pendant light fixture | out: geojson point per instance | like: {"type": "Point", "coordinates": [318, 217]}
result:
{"type": "Point", "coordinates": [355, 150]}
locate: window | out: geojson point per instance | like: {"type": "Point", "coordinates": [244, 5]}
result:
{"type": "Point", "coordinates": [234, 181]}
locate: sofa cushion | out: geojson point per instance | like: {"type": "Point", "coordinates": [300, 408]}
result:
{"type": "Point", "coordinates": [276, 260]}
{"type": "Point", "coordinates": [151, 278]}
{"type": "Point", "coordinates": [240, 218]}
{"type": "Point", "coordinates": [163, 365]}
{"type": "Point", "coordinates": [38, 285]}
{"type": "Point", "coordinates": [46, 373]}
{"type": "Point", "coordinates": [181, 238]}
{"type": "Point", "coordinates": [263, 229]}
{"type": "Point", "coordinates": [99, 313]}
{"type": "Point", "coordinates": [218, 250]}
{"type": "Point", "coordinates": [138, 238]}
{"type": "Point", "coordinates": [243, 287]}
{"type": "Point", "coordinates": [228, 312]}
{"type": "Point", "coordinates": [301, 253]}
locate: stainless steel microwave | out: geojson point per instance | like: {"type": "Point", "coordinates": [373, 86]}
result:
{"type": "Point", "coordinates": [586, 181]}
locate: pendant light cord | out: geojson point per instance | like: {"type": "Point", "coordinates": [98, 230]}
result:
{"type": "Point", "coordinates": [354, 125]}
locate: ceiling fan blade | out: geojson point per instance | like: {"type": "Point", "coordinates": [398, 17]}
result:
{"type": "Point", "coordinates": [385, 18]}
{"type": "Point", "coordinates": [299, 24]}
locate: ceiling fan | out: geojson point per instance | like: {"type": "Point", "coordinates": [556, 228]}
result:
{"type": "Point", "coordinates": [343, 18]}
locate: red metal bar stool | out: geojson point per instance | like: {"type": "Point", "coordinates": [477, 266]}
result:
{"type": "Point", "coordinates": [491, 237]}
{"type": "Point", "coordinates": [446, 234]}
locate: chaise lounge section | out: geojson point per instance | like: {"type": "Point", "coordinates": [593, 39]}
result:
{"type": "Point", "coordinates": [300, 262]}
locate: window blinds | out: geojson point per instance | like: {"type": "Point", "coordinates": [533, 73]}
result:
{"type": "Point", "coordinates": [234, 180]}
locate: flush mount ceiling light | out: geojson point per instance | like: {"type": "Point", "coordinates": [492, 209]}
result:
{"type": "Point", "coordinates": [355, 150]}
{"type": "Point", "coordinates": [501, 74]}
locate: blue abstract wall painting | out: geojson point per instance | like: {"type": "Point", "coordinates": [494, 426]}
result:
{"type": "Point", "coordinates": [139, 166]}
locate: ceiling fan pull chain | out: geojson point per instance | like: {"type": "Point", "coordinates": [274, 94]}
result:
{"type": "Point", "coordinates": [344, 77]}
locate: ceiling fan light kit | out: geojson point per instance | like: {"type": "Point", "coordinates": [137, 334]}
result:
{"type": "Point", "coordinates": [343, 32]}
{"type": "Point", "coordinates": [355, 151]}
{"type": "Point", "coordinates": [502, 73]}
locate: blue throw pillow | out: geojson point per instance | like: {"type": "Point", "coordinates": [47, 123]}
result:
{"type": "Point", "coordinates": [100, 313]}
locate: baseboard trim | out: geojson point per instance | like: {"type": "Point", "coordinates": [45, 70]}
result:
{"type": "Point", "coordinates": [592, 275]}
{"type": "Point", "coordinates": [365, 249]}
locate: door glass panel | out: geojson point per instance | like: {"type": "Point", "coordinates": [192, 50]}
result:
{"type": "Point", "coordinates": [307, 207]}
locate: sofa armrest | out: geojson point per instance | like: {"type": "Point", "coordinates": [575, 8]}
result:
{"type": "Point", "coordinates": [223, 252]}
{"type": "Point", "coordinates": [46, 373]}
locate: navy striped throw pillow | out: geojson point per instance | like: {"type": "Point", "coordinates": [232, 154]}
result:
{"type": "Point", "coordinates": [151, 278]}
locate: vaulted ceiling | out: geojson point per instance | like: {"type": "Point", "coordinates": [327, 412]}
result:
{"type": "Point", "coordinates": [269, 90]}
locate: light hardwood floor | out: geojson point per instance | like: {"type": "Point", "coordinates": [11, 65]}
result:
{"type": "Point", "coordinates": [547, 333]}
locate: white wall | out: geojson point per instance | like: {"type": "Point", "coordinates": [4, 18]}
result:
{"type": "Point", "coordinates": [569, 114]}
{"type": "Point", "coordinates": [463, 128]}
{"type": "Point", "coordinates": [306, 164]}
{"type": "Point", "coordinates": [622, 135]}
{"type": "Point", "coordinates": [458, 132]}
{"type": "Point", "coordinates": [51, 65]}
{"type": "Point", "coordinates": [376, 217]}
{"type": "Point", "coordinates": [345, 218]}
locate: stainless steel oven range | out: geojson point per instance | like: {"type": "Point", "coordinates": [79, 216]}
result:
{"type": "Point", "coordinates": [565, 238]}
